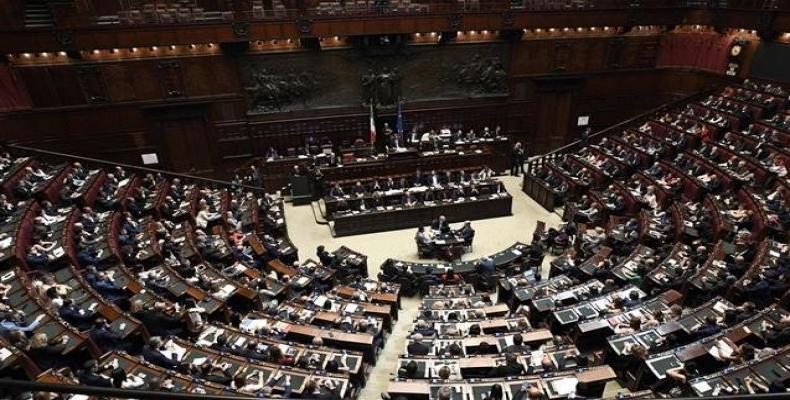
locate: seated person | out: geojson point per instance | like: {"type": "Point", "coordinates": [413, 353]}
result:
{"type": "Point", "coordinates": [451, 278]}
{"type": "Point", "coordinates": [417, 347]}
{"type": "Point", "coordinates": [337, 191]}
{"type": "Point", "coordinates": [440, 224]}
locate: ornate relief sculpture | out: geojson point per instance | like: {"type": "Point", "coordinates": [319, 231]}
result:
{"type": "Point", "coordinates": [382, 87]}
{"type": "Point", "coordinates": [272, 92]}
{"type": "Point", "coordinates": [482, 75]}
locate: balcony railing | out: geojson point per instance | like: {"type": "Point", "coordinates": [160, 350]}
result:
{"type": "Point", "coordinates": [65, 15]}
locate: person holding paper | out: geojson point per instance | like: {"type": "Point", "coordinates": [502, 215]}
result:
{"type": "Point", "coordinates": [511, 367]}
{"type": "Point", "coordinates": [107, 340]}
{"type": "Point", "coordinates": [153, 353]}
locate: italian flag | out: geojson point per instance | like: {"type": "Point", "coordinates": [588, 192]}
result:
{"type": "Point", "coordinates": [372, 125]}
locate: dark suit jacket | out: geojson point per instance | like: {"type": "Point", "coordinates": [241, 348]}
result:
{"type": "Point", "coordinates": [48, 357]}
{"type": "Point", "coordinates": [442, 227]}
{"type": "Point", "coordinates": [419, 349]}
{"type": "Point", "coordinates": [157, 322]}
{"type": "Point", "coordinates": [155, 357]}
{"type": "Point", "coordinates": [72, 315]}
{"type": "Point", "coordinates": [106, 339]}
{"type": "Point", "coordinates": [91, 379]}
{"type": "Point", "coordinates": [507, 370]}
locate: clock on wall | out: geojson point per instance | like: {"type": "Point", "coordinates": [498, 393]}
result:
{"type": "Point", "coordinates": [736, 49]}
{"type": "Point", "coordinates": [736, 57]}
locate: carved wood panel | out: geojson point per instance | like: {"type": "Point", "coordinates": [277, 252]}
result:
{"type": "Point", "coordinates": [171, 79]}
{"type": "Point", "coordinates": [92, 84]}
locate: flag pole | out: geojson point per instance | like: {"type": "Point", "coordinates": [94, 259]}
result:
{"type": "Point", "coordinates": [372, 126]}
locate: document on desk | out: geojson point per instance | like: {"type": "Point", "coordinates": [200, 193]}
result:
{"type": "Point", "coordinates": [702, 386]}
{"type": "Point", "coordinates": [199, 361]}
{"type": "Point", "coordinates": [320, 301]}
{"type": "Point", "coordinates": [351, 308]}
{"type": "Point", "coordinates": [535, 358]}
{"type": "Point", "coordinates": [4, 354]}
{"type": "Point", "coordinates": [173, 351]}
{"type": "Point", "coordinates": [58, 252]}
{"type": "Point", "coordinates": [720, 350]}
{"type": "Point", "coordinates": [252, 325]}
{"type": "Point", "coordinates": [720, 307]}
{"type": "Point", "coordinates": [564, 386]}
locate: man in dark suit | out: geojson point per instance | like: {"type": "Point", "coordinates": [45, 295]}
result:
{"type": "Point", "coordinates": [100, 282]}
{"type": "Point", "coordinates": [440, 224]}
{"type": "Point", "coordinates": [434, 180]}
{"type": "Point", "coordinates": [517, 346]}
{"type": "Point", "coordinates": [74, 315]}
{"type": "Point", "coordinates": [511, 368]}
{"type": "Point", "coordinates": [107, 340]}
{"type": "Point", "coordinates": [466, 233]}
{"type": "Point", "coordinates": [424, 328]}
{"type": "Point", "coordinates": [152, 354]}
{"type": "Point", "coordinates": [337, 191]}
{"type": "Point", "coordinates": [158, 322]}
{"type": "Point", "coordinates": [251, 351]}
{"type": "Point", "coordinates": [708, 328]}
{"type": "Point", "coordinates": [324, 256]}
{"type": "Point", "coordinates": [169, 207]}
{"type": "Point", "coordinates": [417, 347]}
{"type": "Point", "coordinates": [418, 179]}
{"type": "Point", "coordinates": [221, 345]}
{"type": "Point", "coordinates": [89, 375]}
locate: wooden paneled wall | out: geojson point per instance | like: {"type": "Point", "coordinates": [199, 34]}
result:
{"type": "Point", "coordinates": [120, 110]}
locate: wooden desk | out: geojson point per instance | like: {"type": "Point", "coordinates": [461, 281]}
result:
{"type": "Point", "coordinates": [485, 206]}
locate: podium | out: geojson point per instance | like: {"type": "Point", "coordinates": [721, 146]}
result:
{"type": "Point", "coordinates": [301, 190]}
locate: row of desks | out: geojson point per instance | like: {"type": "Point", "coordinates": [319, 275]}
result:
{"type": "Point", "coordinates": [484, 206]}
{"type": "Point", "coordinates": [502, 259]}
{"type": "Point", "coordinates": [588, 382]}
{"type": "Point", "coordinates": [494, 153]}
{"type": "Point", "coordinates": [469, 367]}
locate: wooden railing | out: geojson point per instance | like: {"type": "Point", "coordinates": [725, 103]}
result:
{"type": "Point", "coordinates": [56, 157]}
{"type": "Point", "coordinates": [72, 17]}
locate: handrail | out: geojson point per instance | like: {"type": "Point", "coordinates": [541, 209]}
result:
{"type": "Point", "coordinates": [106, 163]}
{"type": "Point", "coordinates": [110, 392]}
{"type": "Point", "coordinates": [152, 395]}
{"type": "Point", "coordinates": [66, 18]}
{"type": "Point", "coordinates": [537, 160]}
